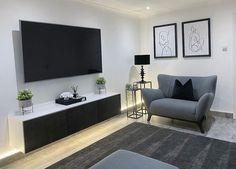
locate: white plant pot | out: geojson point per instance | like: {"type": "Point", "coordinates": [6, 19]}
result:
{"type": "Point", "coordinates": [26, 106]}
{"type": "Point", "coordinates": [101, 88]}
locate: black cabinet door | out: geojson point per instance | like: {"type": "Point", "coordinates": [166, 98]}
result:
{"type": "Point", "coordinates": [47, 129]}
{"type": "Point", "coordinates": [81, 117]}
{"type": "Point", "coordinates": [44, 130]}
{"type": "Point", "coordinates": [108, 107]}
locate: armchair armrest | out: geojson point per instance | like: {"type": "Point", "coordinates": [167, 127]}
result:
{"type": "Point", "coordinates": [151, 94]}
{"type": "Point", "coordinates": [204, 105]}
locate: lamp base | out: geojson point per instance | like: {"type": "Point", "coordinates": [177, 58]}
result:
{"type": "Point", "coordinates": [142, 74]}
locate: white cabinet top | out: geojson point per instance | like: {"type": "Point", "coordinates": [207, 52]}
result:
{"type": "Point", "coordinates": [51, 107]}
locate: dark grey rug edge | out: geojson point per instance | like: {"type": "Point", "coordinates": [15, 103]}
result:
{"type": "Point", "coordinates": [208, 146]}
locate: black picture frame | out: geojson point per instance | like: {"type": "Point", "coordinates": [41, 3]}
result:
{"type": "Point", "coordinates": [156, 52]}
{"type": "Point", "coordinates": [208, 38]}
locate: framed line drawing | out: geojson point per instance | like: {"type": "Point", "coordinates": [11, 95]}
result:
{"type": "Point", "coordinates": [197, 38]}
{"type": "Point", "coordinates": [165, 41]}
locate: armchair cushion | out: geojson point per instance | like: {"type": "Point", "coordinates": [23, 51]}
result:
{"type": "Point", "coordinates": [174, 108]}
{"type": "Point", "coordinates": [183, 91]}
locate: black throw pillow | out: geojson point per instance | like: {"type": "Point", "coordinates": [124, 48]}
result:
{"type": "Point", "coordinates": [184, 92]}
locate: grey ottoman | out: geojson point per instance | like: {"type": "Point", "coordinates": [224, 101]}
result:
{"type": "Point", "coordinates": [123, 159]}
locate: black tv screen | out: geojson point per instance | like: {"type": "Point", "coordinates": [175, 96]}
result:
{"type": "Point", "coordinates": [53, 51]}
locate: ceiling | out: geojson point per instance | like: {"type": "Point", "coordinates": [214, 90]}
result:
{"type": "Point", "coordinates": [138, 8]}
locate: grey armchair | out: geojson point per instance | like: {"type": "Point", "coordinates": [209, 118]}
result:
{"type": "Point", "coordinates": [159, 101]}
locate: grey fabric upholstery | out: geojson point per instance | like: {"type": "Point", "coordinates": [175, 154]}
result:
{"type": "Point", "coordinates": [123, 159]}
{"type": "Point", "coordinates": [175, 108]}
{"type": "Point", "coordinates": [152, 94]}
{"type": "Point", "coordinates": [201, 85]}
{"type": "Point", "coordinates": [159, 101]}
{"type": "Point", "coordinates": [204, 105]}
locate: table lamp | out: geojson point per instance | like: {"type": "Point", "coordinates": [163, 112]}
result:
{"type": "Point", "coordinates": [142, 60]}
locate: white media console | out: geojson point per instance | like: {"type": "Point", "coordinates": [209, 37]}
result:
{"type": "Point", "coordinates": [50, 121]}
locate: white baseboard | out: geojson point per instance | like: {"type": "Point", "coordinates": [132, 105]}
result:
{"type": "Point", "coordinates": [222, 114]}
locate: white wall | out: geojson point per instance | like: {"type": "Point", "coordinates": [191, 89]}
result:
{"type": "Point", "coordinates": [122, 37]}
{"type": "Point", "coordinates": [120, 41]}
{"type": "Point", "coordinates": [221, 63]}
{"type": "Point", "coordinates": [234, 56]}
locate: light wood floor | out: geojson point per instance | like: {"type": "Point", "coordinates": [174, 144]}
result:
{"type": "Point", "coordinates": [67, 146]}
{"type": "Point", "coordinates": [54, 152]}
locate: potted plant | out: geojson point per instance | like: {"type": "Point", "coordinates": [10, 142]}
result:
{"type": "Point", "coordinates": [129, 87]}
{"type": "Point", "coordinates": [100, 82]}
{"type": "Point", "coordinates": [25, 99]}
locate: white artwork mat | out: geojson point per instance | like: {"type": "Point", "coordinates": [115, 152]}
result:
{"type": "Point", "coordinates": [165, 41]}
{"type": "Point", "coordinates": [196, 38]}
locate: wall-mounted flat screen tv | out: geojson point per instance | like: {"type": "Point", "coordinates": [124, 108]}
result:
{"type": "Point", "coordinates": [54, 51]}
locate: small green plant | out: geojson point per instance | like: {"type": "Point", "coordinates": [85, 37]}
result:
{"type": "Point", "coordinates": [24, 95]}
{"type": "Point", "coordinates": [100, 81]}
{"type": "Point", "coordinates": [128, 86]}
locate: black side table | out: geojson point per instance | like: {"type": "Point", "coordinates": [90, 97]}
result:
{"type": "Point", "coordinates": [142, 85]}
{"type": "Point", "coordinates": [131, 103]}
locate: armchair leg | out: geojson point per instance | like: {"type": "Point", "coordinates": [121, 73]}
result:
{"type": "Point", "coordinates": [149, 117]}
{"type": "Point", "coordinates": [200, 124]}
{"type": "Point", "coordinates": [201, 127]}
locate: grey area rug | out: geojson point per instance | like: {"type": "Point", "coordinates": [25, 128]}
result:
{"type": "Point", "coordinates": [183, 150]}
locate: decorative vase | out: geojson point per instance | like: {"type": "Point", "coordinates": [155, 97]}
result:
{"type": "Point", "coordinates": [101, 88]}
{"type": "Point", "coordinates": [75, 95]}
{"type": "Point", "coordinates": [26, 106]}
